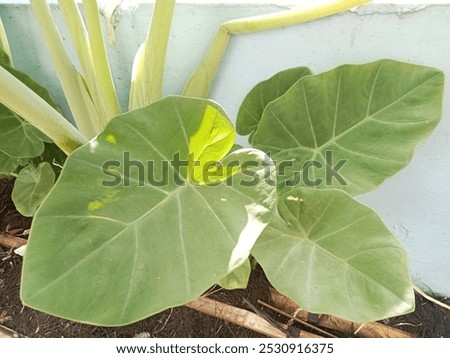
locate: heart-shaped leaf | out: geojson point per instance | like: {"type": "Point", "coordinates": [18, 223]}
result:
{"type": "Point", "coordinates": [110, 245]}
{"type": "Point", "coordinates": [352, 127]}
{"type": "Point", "coordinates": [31, 187]}
{"type": "Point", "coordinates": [262, 94]}
{"type": "Point", "coordinates": [333, 255]}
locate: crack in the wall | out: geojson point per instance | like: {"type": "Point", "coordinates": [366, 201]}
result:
{"type": "Point", "coordinates": [392, 9]}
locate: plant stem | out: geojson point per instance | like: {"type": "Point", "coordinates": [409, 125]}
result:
{"type": "Point", "coordinates": [4, 43]}
{"type": "Point", "coordinates": [20, 99]}
{"type": "Point", "coordinates": [200, 82]}
{"type": "Point", "coordinates": [307, 11]}
{"type": "Point", "coordinates": [78, 33]}
{"type": "Point", "coordinates": [100, 58]}
{"type": "Point", "coordinates": [148, 67]}
{"type": "Point", "coordinates": [83, 110]}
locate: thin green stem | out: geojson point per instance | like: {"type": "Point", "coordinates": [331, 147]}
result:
{"type": "Point", "coordinates": [22, 100]}
{"type": "Point", "coordinates": [4, 43]}
{"type": "Point", "coordinates": [199, 84]}
{"type": "Point", "coordinates": [80, 103]}
{"type": "Point", "coordinates": [149, 64]}
{"type": "Point", "coordinates": [100, 58]}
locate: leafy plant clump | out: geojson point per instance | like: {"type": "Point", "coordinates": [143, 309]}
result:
{"type": "Point", "coordinates": [155, 205]}
{"type": "Point", "coordinates": [336, 135]}
{"type": "Point", "coordinates": [25, 152]}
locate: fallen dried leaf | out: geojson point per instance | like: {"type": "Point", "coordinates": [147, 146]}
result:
{"type": "Point", "coordinates": [4, 317]}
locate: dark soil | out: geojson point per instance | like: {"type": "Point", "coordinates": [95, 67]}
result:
{"type": "Point", "coordinates": [177, 322]}
{"type": "Point", "coordinates": [429, 320]}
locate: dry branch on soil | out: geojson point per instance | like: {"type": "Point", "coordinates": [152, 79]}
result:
{"type": "Point", "coordinates": [11, 242]}
{"type": "Point", "coordinates": [243, 318]}
{"type": "Point", "coordinates": [368, 330]}
{"type": "Point", "coordinates": [9, 333]}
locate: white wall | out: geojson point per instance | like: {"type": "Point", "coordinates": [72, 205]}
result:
{"type": "Point", "coordinates": [415, 203]}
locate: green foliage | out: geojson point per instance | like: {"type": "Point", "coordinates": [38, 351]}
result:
{"type": "Point", "coordinates": [262, 94]}
{"type": "Point", "coordinates": [213, 139]}
{"type": "Point", "coordinates": [18, 138]}
{"type": "Point", "coordinates": [372, 116]}
{"type": "Point", "coordinates": [116, 253]}
{"type": "Point", "coordinates": [325, 250]}
{"type": "Point", "coordinates": [165, 245]}
{"type": "Point", "coordinates": [32, 186]}
{"type": "Point", "coordinates": [8, 164]}
{"type": "Point", "coordinates": [162, 204]}
{"type": "Point", "coordinates": [331, 254]}
{"type": "Point", "coordinates": [27, 152]}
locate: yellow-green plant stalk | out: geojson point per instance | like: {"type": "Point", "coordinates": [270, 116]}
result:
{"type": "Point", "coordinates": [4, 43]}
{"type": "Point", "coordinates": [78, 97]}
{"type": "Point", "coordinates": [22, 100]}
{"type": "Point", "coordinates": [200, 82]}
{"type": "Point", "coordinates": [100, 58]}
{"type": "Point", "coordinates": [78, 33]}
{"type": "Point", "coordinates": [148, 67]}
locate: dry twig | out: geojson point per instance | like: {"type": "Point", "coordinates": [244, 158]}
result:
{"type": "Point", "coordinates": [243, 318]}
{"type": "Point", "coordinates": [306, 324]}
{"type": "Point", "coordinates": [9, 333]}
{"type": "Point", "coordinates": [431, 299]}
{"type": "Point", "coordinates": [11, 242]}
{"type": "Point", "coordinates": [369, 330]}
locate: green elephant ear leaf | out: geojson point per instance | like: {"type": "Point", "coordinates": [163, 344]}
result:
{"type": "Point", "coordinates": [333, 255]}
{"type": "Point", "coordinates": [142, 237]}
{"type": "Point", "coordinates": [18, 138]}
{"type": "Point", "coordinates": [352, 127]}
{"type": "Point", "coordinates": [31, 187]}
{"type": "Point", "coordinates": [262, 94]}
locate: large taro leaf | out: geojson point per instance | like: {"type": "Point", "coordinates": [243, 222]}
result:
{"type": "Point", "coordinates": [333, 255]}
{"type": "Point", "coordinates": [262, 94]}
{"type": "Point", "coordinates": [18, 138]}
{"type": "Point", "coordinates": [109, 248]}
{"type": "Point", "coordinates": [352, 127]}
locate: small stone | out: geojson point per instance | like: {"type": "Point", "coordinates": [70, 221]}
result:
{"type": "Point", "coordinates": [143, 335]}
